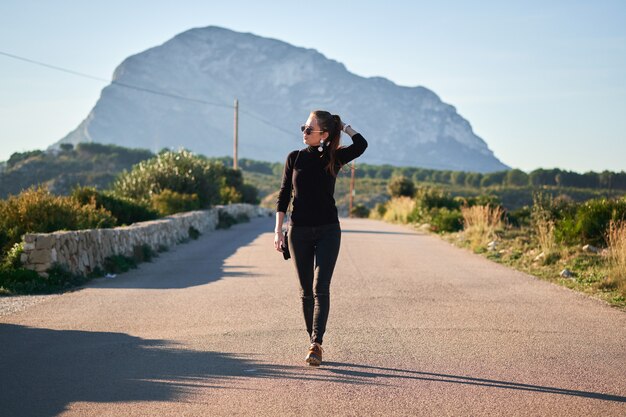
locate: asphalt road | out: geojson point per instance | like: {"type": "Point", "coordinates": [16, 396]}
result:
{"type": "Point", "coordinates": [417, 327]}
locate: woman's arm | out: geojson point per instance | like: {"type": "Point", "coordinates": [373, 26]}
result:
{"type": "Point", "coordinates": [359, 144]}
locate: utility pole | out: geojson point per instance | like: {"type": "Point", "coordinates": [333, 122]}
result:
{"type": "Point", "coordinates": [351, 189]}
{"type": "Point", "coordinates": [236, 138]}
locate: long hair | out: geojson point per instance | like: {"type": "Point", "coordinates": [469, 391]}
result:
{"type": "Point", "coordinates": [330, 123]}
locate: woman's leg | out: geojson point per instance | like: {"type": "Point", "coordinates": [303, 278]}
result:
{"type": "Point", "coordinates": [326, 252]}
{"type": "Point", "coordinates": [302, 248]}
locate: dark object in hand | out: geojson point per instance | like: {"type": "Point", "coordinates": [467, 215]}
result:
{"type": "Point", "coordinates": [285, 248]}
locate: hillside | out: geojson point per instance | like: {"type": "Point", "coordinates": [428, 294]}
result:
{"type": "Point", "coordinates": [61, 170]}
{"type": "Point", "coordinates": [181, 94]}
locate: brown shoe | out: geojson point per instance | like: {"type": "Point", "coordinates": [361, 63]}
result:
{"type": "Point", "coordinates": [314, 357]}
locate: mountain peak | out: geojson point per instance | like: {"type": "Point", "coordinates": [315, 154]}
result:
{"type": "Point", "coordinates": [202, 70]}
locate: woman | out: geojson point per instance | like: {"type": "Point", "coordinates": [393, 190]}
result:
{"type": "Point", "coordinates": [314, 234]}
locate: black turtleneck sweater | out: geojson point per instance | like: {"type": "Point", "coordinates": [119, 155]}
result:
{"type": "Point", "coordinates": [313, 186]}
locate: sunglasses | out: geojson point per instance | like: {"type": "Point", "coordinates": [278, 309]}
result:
{"type": "Point", "coordinates": [308, 130]}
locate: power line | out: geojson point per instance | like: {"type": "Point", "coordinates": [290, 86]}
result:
{"type": "Point", "coordinates": [134, 87]}
{"type": "Point", "coordinates": [152, 91]}
{"type": "Point", "coordinates": [144, 89]}
{"type": "Point", "coordinates": [267, 122]}
{"type": "Point", "coordinates": [43, 64]}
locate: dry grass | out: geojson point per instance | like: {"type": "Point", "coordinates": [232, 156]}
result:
{"type": "Point", "coordinates": [399, 209]}
{"type": "Point", "coordinates": [481, 223]}
{"type": "Point", "coordinates": [616, 239]}
{"type": "Point", "coordinates": [544, 228]}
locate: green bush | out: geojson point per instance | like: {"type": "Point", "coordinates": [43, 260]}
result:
{"type": "Point", "coordinates": [589, 222]}
{"type": "Point", "coordinates": [19, 281]}
{"type": "Point", "coordinates": [519, 217]}
{"type": "Point", "coordinates": [401, 186]}
{"type": "Point", "coordinates": [169, 202]}
{"type": "Point", "coordinates": [429, 201]}
{"type": "Point", "coordinates": [379, 211]}
{"type": "Point", "coordinates": [230, 195]}
{"type": "Point", "coordinates": [242, 218]}
{"type": "Point", "coordinates": [446, 220]}
{"type": "Point", "coordinates": [125, 210]}
{"type": "Point", "coordinates": [12, 258]}
{"type": "Point", "coordinates": [117, 264]}
{"type": "Point", "coordinates": [249, 194]}
{"type": "Point", "coordinates": [181, 172]}
{"type": "Point", "coordinates": [360, 211]}
{"type": "Point", "coordinates": [193, 233]}
{"type": "Point", "coordinates": [24, 281]}
{"type": "Point", "coordinates": [428, 198]}
{"type": "Point", "coordinates": [225, 220]}
{"type": "Point", "coordinates": [35, 210]}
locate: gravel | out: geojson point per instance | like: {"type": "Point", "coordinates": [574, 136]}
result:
{"type": "Point", "coordinates": [17, 303]}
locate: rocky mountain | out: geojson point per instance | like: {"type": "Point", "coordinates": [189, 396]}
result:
{"type": "Point", "coordinates": [181, 94]}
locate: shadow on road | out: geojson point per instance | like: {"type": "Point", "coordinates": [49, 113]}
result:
{"type": "Point", "coordinates": [195, 263]}
{"type": "Point", "coordinates": [45, 370]}
{"type": "Point", "coordinates": [393, 373]}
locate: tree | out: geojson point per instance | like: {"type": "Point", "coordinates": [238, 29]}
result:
{"type": "Point", "coordinates": [516, 177]}
{"type": "Point", "coordinates": [493, 178]}
{"type": "Point", "coordinates": [66, 147]}
{"type": "Point", "coordinates": [401, 186]}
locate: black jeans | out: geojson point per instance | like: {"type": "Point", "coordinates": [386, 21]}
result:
{"type": "Point", "coordinates": [314, 251]}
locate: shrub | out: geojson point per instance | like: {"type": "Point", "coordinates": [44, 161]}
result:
{"type": "Point", "coordinates": [143, 253]}
{"type": "Point", "coordinates": [428, 202]}
{"type": "Point", "coordinates": [181, 172]}
{"type": "Point", "coordinates": [379, 211]}
{"type": "Point", "coordinates": [249, 194]}
{"type": "Point", "coordinates": [446, 220]}
{"type": "Point", "coordinates": [428, 198]}
{"type": "Point", "coordinates": [360, 211]}
{"type": "Point", "coordinates": [230, 195]}
{"type": "Point", "coordinates": [520, 217]}
{"type": "Point", "coordinates": [19, 281]}
{"type": "Point", "coordinates": [117, 264]}
{"type": "Point", "coordinates": [588, 222]}
{"type": "Point", "coordinates": [25, 281]}
{"type": "Point", "coordinates": [125, 210]}
{"type": "Point", "coordinates": [401, 186]}
{"type": "Point", "coordinates": [169, 202]}
{"type": "Point", "coordinates": [193, 233]}
{"type": "Point", "coordinates": [225, 220]}
{"type": "Point", "coordinates": [35, 210]}
{"type": "Point", "coordinates": [12, 258]}
{"type": "Point", "coordinates": [242, 218]}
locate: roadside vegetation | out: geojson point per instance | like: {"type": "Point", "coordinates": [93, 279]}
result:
{"type": "Point", "coordinates": [580, 245]}
{"type": "Point", "coordinates": [164, 184]}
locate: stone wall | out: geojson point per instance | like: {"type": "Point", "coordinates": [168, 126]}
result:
{"type": "Point", "coordinates": [82, 251]}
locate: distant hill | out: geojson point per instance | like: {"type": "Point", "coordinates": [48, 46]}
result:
{"type": "Point", "coordinates": [61, 170]}
{"type": "Point", "coordinates": [277, 85]}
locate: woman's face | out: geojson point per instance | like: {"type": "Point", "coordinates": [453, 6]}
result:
{"type": "Point", "coordinates": [313, 138]}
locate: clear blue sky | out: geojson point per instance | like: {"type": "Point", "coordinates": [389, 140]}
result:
{"type": "Point", "coordinates": [543, 83]}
